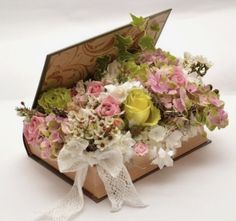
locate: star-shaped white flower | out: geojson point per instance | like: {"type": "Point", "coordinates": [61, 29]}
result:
{"type": "Point", "coordinates": [163, 158]}
{"type": "Point", "coordinates": [124, 142]}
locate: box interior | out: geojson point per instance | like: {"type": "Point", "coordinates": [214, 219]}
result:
{"type": "Point", "coordinates": [65, 67]}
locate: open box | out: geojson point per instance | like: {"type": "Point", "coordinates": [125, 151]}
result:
{"type": "Point", "coordinates": [65, 67]}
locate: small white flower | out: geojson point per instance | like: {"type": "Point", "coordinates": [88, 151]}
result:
{"type": "Point", "coordinates": [194, 78]}
{"type": "Point", "coordinates": [189, 132]}
{"type": "Point", "coordinates": [203, 60]}
{"type": "Point", "coordinates": [163, 159]}
{"type": "Point", "coordinates": [157, 133]}
{"type": "Point", "coordinates": [174, 140]}
{"type": "Point", "coordinates": [124, 142]}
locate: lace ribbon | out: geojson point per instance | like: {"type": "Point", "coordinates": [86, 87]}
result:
{"type": "Point", "coordinates": [112, 171]}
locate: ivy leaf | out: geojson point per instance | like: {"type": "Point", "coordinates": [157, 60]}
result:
{"type": "Point", "coordinates": [101, 65]}
{"type": "Point", "coordinates": [155, 27]}
{"type": "Point", "coordinates": [146, 43]}
{"type": "Point", "coordinates": [125, 55]}
{"type": "Point", "coordinates": [138, 22]}
{"type": "Point", "coordinates": [123, 44]}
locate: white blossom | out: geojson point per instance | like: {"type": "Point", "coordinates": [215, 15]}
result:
{"type": "Point", "coordinates": [189, 132]}
{"type": "Point", "coordinates": [120, 92]}
{"type": "Point", "coordinates": [194, 78]}
{"type": "Point", "coordinates": [174, 140]}
{"type": "Point", "coordinates": [163, 159]}
{"type": "Point", "coordinates": [124, 142]}
{"type": "Point", "coordinates": [157, 134]}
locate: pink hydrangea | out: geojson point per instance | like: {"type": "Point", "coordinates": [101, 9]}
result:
{"type": "Point", "coordinates": [166, 101]}
{"type": "Point", "coordinates": [32, 130]}
{"type": "Point", "coordinates": [214, 100]}
{"type": "Point", "coordinates": [95, 88]}
{"type": "Point", "coordinates": [108, 107]}
{"type": "Point", "coordinates": [178, 105]}
{"type": "Point", "coordinates": [178, 76]}
{"type": "Point", "coordinates": [203, 99]}
{"type": "Point", "coordinates": [219, 119]}
{"type": "Point", "coordinates": [55, 137]}
{"type": "Point", "coordinates": [45, 146]}
{"type": "Point", "coordinates": [156, 83]}
{"type": "Point", "coordinates": [141, 148]}
{"type": "Point", "coordinates": [191, 87]}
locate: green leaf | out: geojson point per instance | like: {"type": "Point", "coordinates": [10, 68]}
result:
{"type": "Point", "coordinates": [103, 61]}
{"type": "Point", "coordinates": [124, 55]}
{"type": "Point", "coordinates": [155, 27]}
{"type": "Point", "coordinates": [138, 22]}
{"type": "Point", "coordinates": [136, 70]}
{"type": "Point", "coordinates": [146, 43]}
{"type": "Point", "coordinates": [123, 42]}
{"type": "Point", "coordinates": [101, 65]}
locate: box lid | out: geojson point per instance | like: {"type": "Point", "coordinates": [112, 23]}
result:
{"type": "Point", "coordinates": [71, 64]}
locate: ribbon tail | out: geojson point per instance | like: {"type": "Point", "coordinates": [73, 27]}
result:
{"type": "Point", "coordinates": [120, 189]}
{"type": "Point", "coordinates": [73, 202]}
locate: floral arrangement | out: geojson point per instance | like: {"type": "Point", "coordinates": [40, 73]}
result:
{"type": "Point", "coordinates": [145, 102]}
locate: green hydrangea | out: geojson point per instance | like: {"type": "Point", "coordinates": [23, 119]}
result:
{"type": "Point", "coordinates": [57, 98]}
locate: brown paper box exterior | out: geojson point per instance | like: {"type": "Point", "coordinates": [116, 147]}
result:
{"type": "Point", "coordinates": [138, 167]}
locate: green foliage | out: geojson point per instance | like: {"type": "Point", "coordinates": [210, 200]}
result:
{"type": "Point", "coordinates": [136, 70]}
{"type": "Point", "coordinates": [146, 43]}
{"type": "Point", "coordinates": [55, 98]}
{"type": "Point", "coordinates": [123, 44]}
{"type": "Point", "coordinates": [122, 78]}
{"type": "Point", "coordinates": [138, 22]}
{"type": "Point", "coordinates": [101, 65]}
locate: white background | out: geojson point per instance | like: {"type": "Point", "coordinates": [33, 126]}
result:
{"type": "Point", "coordinates": [201, 186]}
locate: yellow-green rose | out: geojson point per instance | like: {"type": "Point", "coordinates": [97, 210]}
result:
{"type": "Point", "coordinates": [139, 109]}
{"type": "Point", "coordinates": [57, 98]}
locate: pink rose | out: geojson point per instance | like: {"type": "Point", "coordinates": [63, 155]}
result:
{"type": "Point", "coordinates": [32, 129]}
{"type": "Point", "coordinates": [95, 88]}
{"type": "Point", "coordinates": [178, 77]}
{"type": "Point", "coordinates": [109, 107]}
{"type": "Point", "coordinates": [141, 148]}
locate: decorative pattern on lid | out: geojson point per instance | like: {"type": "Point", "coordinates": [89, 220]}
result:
{"type": "Point", "coordinates": [66, 66]}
